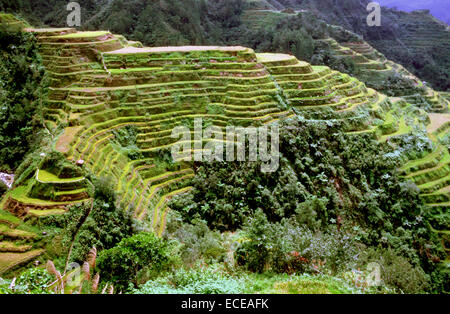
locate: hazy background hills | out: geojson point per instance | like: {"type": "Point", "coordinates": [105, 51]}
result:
{"type": "Point", "coordinates": [439, 8]}
{"type": "Point", "coordinates": [417, 40]}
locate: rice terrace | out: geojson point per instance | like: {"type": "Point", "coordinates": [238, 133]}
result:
{"type": "Point", "coordinates": [93, 201]}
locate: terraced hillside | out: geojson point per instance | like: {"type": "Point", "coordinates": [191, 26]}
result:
{"type": "Point", "coordinates": [431, 175]}
{"type": "Point", "coordinates": [370, 66]}
{"type": "Point", "coordinates": [102, 84]}
{"type": "Point", "coordinates": [415, 39]}
{"type": "Point", "coordinates": [104, 88]}
{"type": "Point", "coordinates": [17, 242]}
{"type": "Point", "coordinates": [12, 22]}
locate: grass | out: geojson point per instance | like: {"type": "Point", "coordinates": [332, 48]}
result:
{"type": "Point", "coordinates": [44, 213]}
{"type": "Point", "coordinates": [7, 246]}
{"type": "Point", "coordinates": [48, 177]}
{"type": "Point", "coordinates": [268, 283]}
{"type": "Point", "coordinates": [402, 129]}
{"type": "Point", "coordinates": [427, 159]}
{"type": "Point", "coordinates": [9, 218]}
{"type": "Point", "coordinates": [83, 35]}
{"type": "Point", "coordinates": [20, 194]}
{"type": "Point", "coordinates": [15, 233]}
{"type": "Point", "coordinates": [10, 260]}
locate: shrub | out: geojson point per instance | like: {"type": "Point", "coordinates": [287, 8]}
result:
{"type": "Point", "coordinates": [141, 252]}
{"type": "Point", "coordinates": [23, 87]}
{"type": "Point", "coordinates": [203, 280]}
{"type": "Point", "coordinates": [290, 247]}
{"type": "Point", "coordinates": [31, 281]}
{"type": "Point", "coordinates": [396, 271]}
{"type": "Point", "coordinates": [198, 241]}
{"type": "Point", "coordinates": [3, 188]}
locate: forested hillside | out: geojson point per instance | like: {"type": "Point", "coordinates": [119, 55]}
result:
{"type": "Point", "coordinates": [415, 40]}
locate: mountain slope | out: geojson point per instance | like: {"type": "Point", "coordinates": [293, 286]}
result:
{"type": "Point", "coordinates": [416, 40]}
{"type": "Point", "coordinates": [439, 8]}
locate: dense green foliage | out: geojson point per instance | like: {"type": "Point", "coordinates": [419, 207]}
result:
{"type": "Point", "coordinates": [22, 95]}
{"type": "Point", "coordinates": [198, 242]}
{"type": "Point", "coordinates": [31, 281]}
{"type": "Point", "coordinates": [338, 190]}
{"type": "Point", "coordinates": [202, 280]}
{"type": "Point", "coordinates": [141, 252]}
{"type": "Point", "coordinates": [100, 224]}
{"type": "Point", "coordinates": [3, 188]}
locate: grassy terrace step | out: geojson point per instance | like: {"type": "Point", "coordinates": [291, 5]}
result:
{"type": "Point", "coordinates": [166, 140]}
{"type": "Point", "coordinates": [47, 177]}
{"type": "Point", "coordinates": [143, 89]}
{"type": "Point", "coordinates": [9, 219]}
{"type": "Point", "coordinates": [431, 173]}
{"type": "Point", "coordinates": [432, 186]}
{"type": "Point", "coordinates": [299, 68]}
{"type": "Point", "coordinates": [77, 37]}
{"type": "Point", "coordinates": [135, 177]}
{"type": "Point", "coordinates": [429, 161]}
{"type": "Point", "coordinates": [437, 198]}
{"type": "Point", "coordinates": [402, 129]}
{"type": "Point", "coordinates": [151, 185]}
{"type": "Point", "coordinates": [276, 59]}
{"type": "Point", "coordinates": [95, 149]}
{"type": "Point", "coordinates": [187, 52]}
{"type": "Point", "coordinates": [71, 192]}
{"type": "Point", "coordinates": [45, 213]}
{"type": "Point", "coordinates": [66, 48]}
{"type": "Point", "coordinates": [99, 129]}
{"type": "Point", "coordinates": [219, 119]}
{"type": "Point", "coordinates": [11, 260]}
{"type": "Point", "coordinates": [153, 191]}
{"type": "Point", "coordinates": [164, 108]}
{"type": "Point", "coordinates": [20, 194]}
{"type": "Point", "coordinates": [318, 73]}
{"type": "Point", "coordinates": [8, 246]}
{"type": "Point", "coordinates": [15, 233]}
{"type": "Point", "coordinates": [74, 68]}
{"type": "Point", "coordinates": [104, 160]}
{"type": "Point", "coordinates": [163, 210]}
{"type": "Point", "coordinates": [39, 32]}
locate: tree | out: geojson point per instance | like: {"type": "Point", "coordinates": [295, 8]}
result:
{"type": "Point", "coordinates": [124, 262]}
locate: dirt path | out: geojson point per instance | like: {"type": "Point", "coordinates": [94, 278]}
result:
{"type": "Point", "coordinates": [437, 119]}
{"type": "Point", "coordinates": [175, 49]}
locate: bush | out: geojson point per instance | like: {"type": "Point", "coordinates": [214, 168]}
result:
{"type": "Point", "coordinates": [289, 247]}
{"type": "Point", "coordinates": [142, 252]}
{"type": "Point", "coordinates": [203, 280]}
{"type": "Point", "coordinates": [198, 241]}
{"type": "Point", "coordinates": [396, 271]}
{"type": "Point", "coordinates": [31, 281]}
{"type": "Point", "coordinates": [102, 226]}
{"type": "Point", "coordinates": [23, 87]}
{"type": "Point", "coordinates": [3, 188]}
